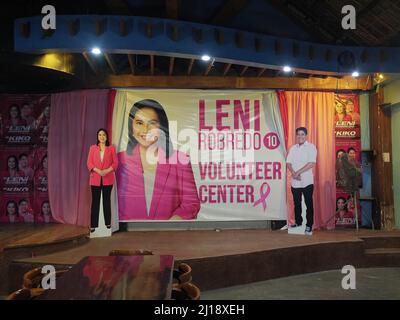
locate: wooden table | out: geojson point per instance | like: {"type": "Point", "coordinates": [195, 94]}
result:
{"type": "Point", "coordinates": [147, 277]}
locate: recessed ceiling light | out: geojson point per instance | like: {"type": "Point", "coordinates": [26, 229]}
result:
{"type": "Point", "coordinates": [96, 51]}
{"type": "Point", "coordinates": [287, 69]}
{"type": "Point", "coordinates": [205, 57]}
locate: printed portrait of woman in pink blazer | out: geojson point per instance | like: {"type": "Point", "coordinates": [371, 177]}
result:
{"type": "Point", "coordinates": [155, 182]}
{"type": "Point", "coordinates": [11, 214]}
{"type": "Point", "coordinates": [102, 163]}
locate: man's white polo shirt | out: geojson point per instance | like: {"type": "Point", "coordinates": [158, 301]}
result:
{"type": "Point", "coordinates": [298, 157]}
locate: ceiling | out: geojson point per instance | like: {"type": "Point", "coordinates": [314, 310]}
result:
{"type": "Point", "coordinates": [309, 20]}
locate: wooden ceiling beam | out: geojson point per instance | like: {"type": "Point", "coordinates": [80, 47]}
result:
{"type": "Point", "coordinates": [190, 67]}
{"type": "Point", "coordinates": [110, 62]}
{"type": "Point", "coordinates": [90, 62]}
{"type": "Point", "coordinates": [220, 82]}
{"type": "Point", "coordinates": [313, 27]}
{"type": "Point", "coordinates": [131, 59]}
{"type": "Point", "coordinates": [208, 69]}
{"type": "Point", "coordinates": [152, 64]}
{"type": "Point", "coordinates": [226, 69]}
{"type": "Point", "coordinates": [369, 7]}
{"type": "Point", "coordinates": [229, 10]}
{"type": "Point", "coordinates": [120, 7]}
{"type": "Point", "coordinates": [260, 73]}
{"type": "Point", "coordinates": [390, 37]}
{"type": "Point", "coordinates": [172, 8]}
{"type": "Point", "coordinates": [244, 70]}
{"type": "Point", "coordinates": [171, 65]}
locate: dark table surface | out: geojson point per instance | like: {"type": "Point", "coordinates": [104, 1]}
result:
{"type": "Point", "coordinates": [147, 277]}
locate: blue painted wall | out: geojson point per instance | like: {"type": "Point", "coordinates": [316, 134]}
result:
{"type": "Point", "coordinates": [392, 95]}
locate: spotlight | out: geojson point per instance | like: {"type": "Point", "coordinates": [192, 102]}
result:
{"type": "Point", "coordinates": [96, 51]}
{"type": "Point", "coordinates": [355, 74]}
{"type": "Point", "coordinates": [205, 57]}
{"type": "Point", "coordinates": [287, 69]}
{"type": "Point", "coordinates": [380, 76]}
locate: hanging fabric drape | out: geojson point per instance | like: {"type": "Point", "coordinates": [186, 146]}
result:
{"type": "Point", "coordinates": [315, 111]}
{"type": "Point", "coordinates": [76, 117]}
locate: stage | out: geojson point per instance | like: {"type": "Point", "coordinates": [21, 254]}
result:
{"type": "Point", "coordinates": [218, 258]}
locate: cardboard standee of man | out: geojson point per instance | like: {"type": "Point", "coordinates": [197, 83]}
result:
{"type": "Point", "coordinates": [301, 160]}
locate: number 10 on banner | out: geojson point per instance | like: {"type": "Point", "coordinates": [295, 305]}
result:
{"type": "Point", "coordinates": [271, 141]}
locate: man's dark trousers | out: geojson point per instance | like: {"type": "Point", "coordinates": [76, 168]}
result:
{"type": "Point", "coordinates": [308, 198]}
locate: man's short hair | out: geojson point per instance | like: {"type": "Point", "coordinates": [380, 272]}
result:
{"type": "Point", "coordinates": [301, 129]}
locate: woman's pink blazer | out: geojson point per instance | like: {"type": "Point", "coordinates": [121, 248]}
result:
{"type": "Point", "coordinates": [94, 161]}
{"type": "Point", "coordinates": [174, 191]}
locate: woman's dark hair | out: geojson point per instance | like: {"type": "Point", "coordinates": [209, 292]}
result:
{"type": "Point", "coordinates": [23, 200]}
{"type": "Point", "coordinates": [22, 155]}
{"type": "Point", "coordinates": [165, 141]}
{"type": "Point", "coordinates": [351, 148]}
{"type": "Point", "coordinates": [41, 207]}
{"type": "Point", "coordinates": [345, 204]}
{"type": "Point", "coordinates": [14, 106]}
{"type": "Point", "coordinates": [15, 206]}
{"type": "Point", "coordinates": [340, 150]}
{"type": "Point", "coordinates": [97, 136]}
{"type": "Point", "coordinates": [25, 104]}
{"type": "Point", "coordinates": [16, 161]}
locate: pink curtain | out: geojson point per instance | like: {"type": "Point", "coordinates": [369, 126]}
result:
{"type": "Point", "coordinates": [284, 114]}
{"type": "Point", "coordinates": [110, 110]}
{"type": "Point", "coordinates": [75, 118]}
{"type": "Point", "coordinates": [315, 111]}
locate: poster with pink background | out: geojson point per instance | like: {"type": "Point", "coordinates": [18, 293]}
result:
{"type": "Point", "coordinates": [24, 123]}
{"type": "Point", "coordinates": [347, 142]}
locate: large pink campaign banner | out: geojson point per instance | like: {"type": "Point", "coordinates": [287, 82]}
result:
{"type": "Point", "coordinates": [199, 155]}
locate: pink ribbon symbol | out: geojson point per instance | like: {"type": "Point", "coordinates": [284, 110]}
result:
{"type": "Point", "coordinates": [263, 195]}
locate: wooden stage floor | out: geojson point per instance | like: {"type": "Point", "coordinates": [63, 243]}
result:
{"type": "Point", "coordinates": [14, 236]}
{"type": "Point", "coordinates": [219, 259]}
{"type": "Point", "coordinates": [182, 244]}
{"type": "Point", "coordinates": [200, 244]}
